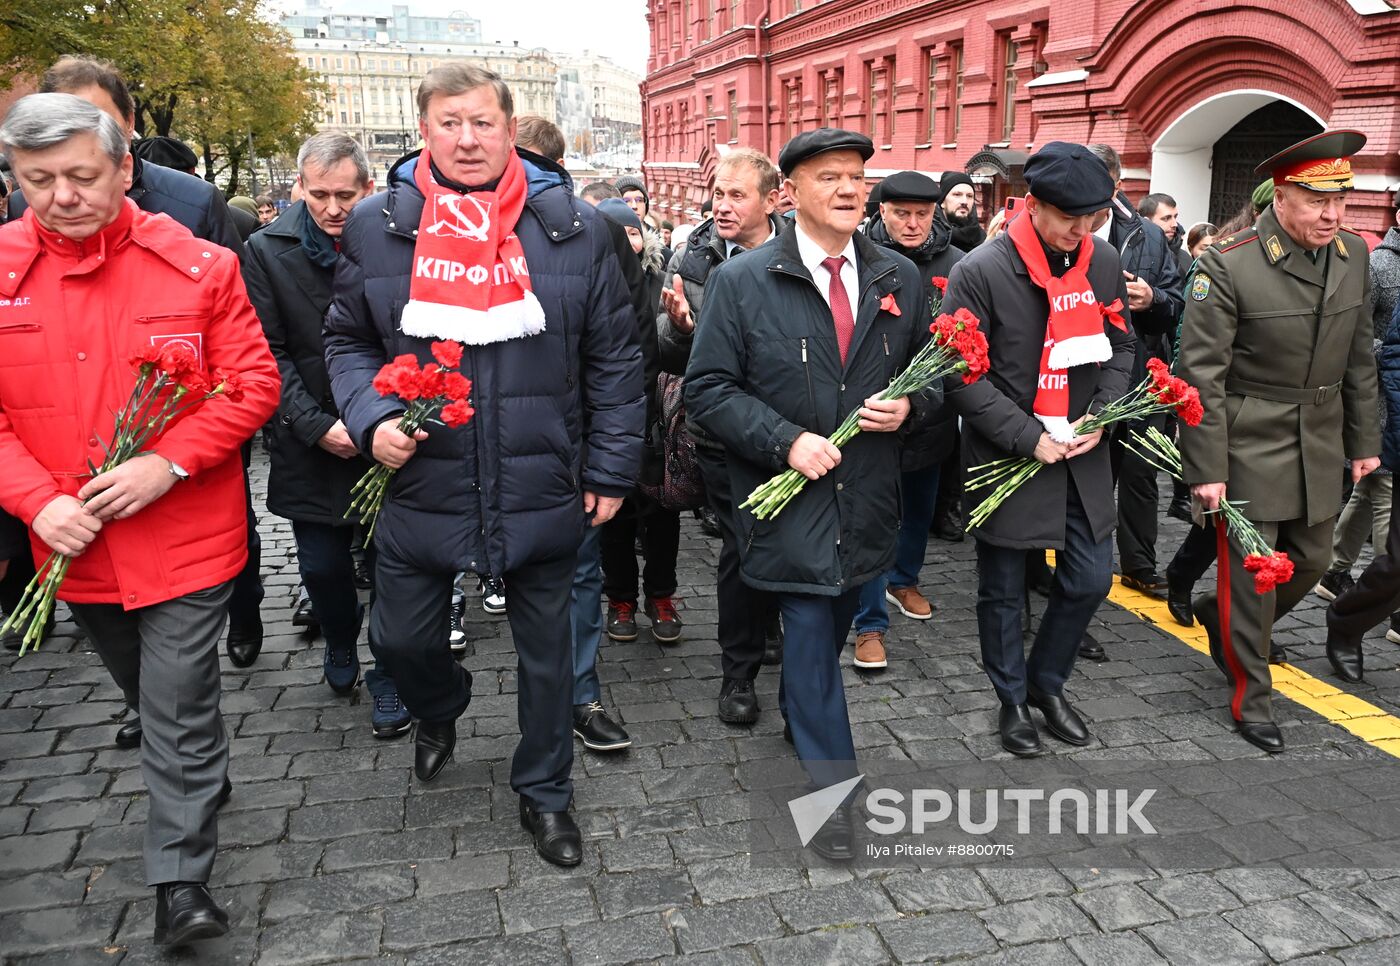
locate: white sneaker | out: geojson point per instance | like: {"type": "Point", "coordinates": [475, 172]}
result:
{"type": "Point", "coordinates": [456, 636]}
{"type": "Point", "coordinates": [493, 594]}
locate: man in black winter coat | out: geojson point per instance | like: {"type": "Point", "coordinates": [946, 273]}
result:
{"type": "Point", "coordinates": [905, 223]}
{"type": "Point", "coordinates": [1020, 410]}
{"type": "Point", "coordinates": [288, 268]}
{"type": "Point", "coordinates": [793, 336]}
{"type": "Point", "coordinates": [556, 439]}
{"type": "Point", "coordinates": [1154, 286]}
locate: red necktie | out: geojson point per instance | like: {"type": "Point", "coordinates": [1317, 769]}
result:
{"type": "Point", "coordinates": [840, 305]}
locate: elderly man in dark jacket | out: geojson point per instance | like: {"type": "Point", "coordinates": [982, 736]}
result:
{"type": "Point", "coordinates": [289, 267]}
{"type": "Point", "coordinates": [1068, 505]}
{"type": "Point", "coordinates": [551, 350]}
{"type": "Point", "coordinates": [745, 193]}
{"type": "Point", "coordinates": [905, 223]}
{"type": "Point", "coordinates": [796, 334]}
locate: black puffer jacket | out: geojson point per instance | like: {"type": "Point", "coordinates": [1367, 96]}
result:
{"type": "Point", "coordinates": [765, 368]}
{"type": "Point", "coordinates": [193, 202]}
{"type": "Point", "coordinates": [290, 293]}
{"type": "Point", "coordinates": [557, 414]}
{"type": "Point", "coordinates": [931, 440]}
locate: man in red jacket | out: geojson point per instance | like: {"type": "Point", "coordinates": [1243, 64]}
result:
{"type": "Point", "coordinates": [87, 279]}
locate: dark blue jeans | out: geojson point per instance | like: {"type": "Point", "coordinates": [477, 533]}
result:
{"type": "Point", "coordinates": [919, 492]}
{"type": "Point", "coordinates": [1083, 576]}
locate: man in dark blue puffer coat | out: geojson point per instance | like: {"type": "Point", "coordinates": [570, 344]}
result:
{"type": "Point", "coordinates": [556, 443]}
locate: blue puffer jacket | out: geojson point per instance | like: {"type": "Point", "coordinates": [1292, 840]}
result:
{"type": "Point", "coordinates": [1389, 364]}
{"type": "Point", "coordinates": [557, 414]}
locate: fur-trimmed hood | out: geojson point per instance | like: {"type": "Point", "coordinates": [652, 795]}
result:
{"type": "Point", "coordinates": [653, 259]}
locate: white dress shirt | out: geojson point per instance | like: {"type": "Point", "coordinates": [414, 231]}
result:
{"type": "Point", "coordinates": [813, 255]}
{"type": "Point", "coordinates": [731, 246]}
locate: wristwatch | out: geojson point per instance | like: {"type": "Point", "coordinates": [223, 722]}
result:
{"type": "Point", "coordinates": [177, 471]}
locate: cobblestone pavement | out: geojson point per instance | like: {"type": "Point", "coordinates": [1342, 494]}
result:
{"type": "Point", "coordinates": [331, 852]}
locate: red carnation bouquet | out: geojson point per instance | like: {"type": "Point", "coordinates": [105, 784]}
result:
{"type": "Point", "coordinates": [169, 385]}
{"type": "Point", "coordinates": [435, 393]}
{"type": "Point", "coordinates": [1270, 567]}
{"type": "Point", "coordinates": [1159, 392]}
{"type": "Point", "coordinates": [957, 346]}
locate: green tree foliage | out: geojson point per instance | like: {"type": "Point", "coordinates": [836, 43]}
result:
{"type": "Point", "coordinates": [212, 72]}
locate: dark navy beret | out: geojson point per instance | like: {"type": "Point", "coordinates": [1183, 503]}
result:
{"type": "Point", "coordinates": [1069, 177]}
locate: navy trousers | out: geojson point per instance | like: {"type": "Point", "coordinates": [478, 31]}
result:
{"type": "Point", "coordinates": [811, 695]}
{"type": "Point", "coordinates": [1083, 576]}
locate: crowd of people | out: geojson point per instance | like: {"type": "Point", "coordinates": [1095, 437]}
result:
{"type": "Point", "coordinates": [624, 372]}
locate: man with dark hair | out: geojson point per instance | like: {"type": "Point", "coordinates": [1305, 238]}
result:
{"type": "Point", "coordinates": [1161, 209]}
{"type": "Point", "coordinates": [556, 439]}
{"type": "Point", "coordinates": [1154, 296]}
{"type": "Point", "coordinates": [1026, 407]}
{"type": "Point", "coordinates": [959, 210]}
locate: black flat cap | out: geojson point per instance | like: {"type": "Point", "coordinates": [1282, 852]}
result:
{"type": "Point", "coordinates": [165, 152]}
{"type": "Point", "coordinates": [1069, 177]}
{"type": "Point", "coordinates": [809, 144]}
{"type": "Point", "coordinates": [910, 186]}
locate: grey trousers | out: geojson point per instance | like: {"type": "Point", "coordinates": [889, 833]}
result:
{"type": "Point", "coordinates": [165, 658]}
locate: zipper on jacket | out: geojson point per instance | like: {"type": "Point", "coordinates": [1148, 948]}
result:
{"type": "Point", "coordinates": [885, 338]}
{"type": "Point", "coordinates": [807, 370]}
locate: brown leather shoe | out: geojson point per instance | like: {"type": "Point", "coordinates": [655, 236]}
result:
{"type": "Point", "coordinates": [910, 602]}
{"type": "Point", "coordinates": [870, 650]}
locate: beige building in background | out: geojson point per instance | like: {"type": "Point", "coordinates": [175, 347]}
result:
{"type": "Point", "coordinates": [372, 85]}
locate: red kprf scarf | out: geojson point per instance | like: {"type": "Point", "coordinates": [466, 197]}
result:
{"type": "Point", "coordinates": [1074, 332]}
{"type": "Point", "coordinates": [470, 282]}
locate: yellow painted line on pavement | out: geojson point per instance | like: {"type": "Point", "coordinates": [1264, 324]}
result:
{"type": "Point", "coordinates": [1371, 724]}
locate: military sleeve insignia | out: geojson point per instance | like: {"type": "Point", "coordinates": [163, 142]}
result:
{"type": "Point", "coordinates": [1200, 287]}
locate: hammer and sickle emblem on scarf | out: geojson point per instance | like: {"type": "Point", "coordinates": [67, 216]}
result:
{"type": "Point", "coordinates": [460, 226]}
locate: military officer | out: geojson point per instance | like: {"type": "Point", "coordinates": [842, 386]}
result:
{"type": "Point", "coordinates": [1276, 338]}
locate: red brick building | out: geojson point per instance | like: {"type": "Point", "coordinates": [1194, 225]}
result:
{"type": "Point", "coordinates": [1192, 93]}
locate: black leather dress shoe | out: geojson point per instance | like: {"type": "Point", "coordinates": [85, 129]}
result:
{"type": "Point", "coordinates": [1208, 617]}
{"type": "Point", "coordinates": [1346, 660]}
{"type": "Point", "coordinates": [225, 793]}
{"type": "Point", "coordinates": [244, 643]}
{"type": "Point", "coordinates": [1061, 720]}
{"type": "Point", "coordinates": [304, 616]}
{"type": "Point", "coordinates": [1018, 734]}
{"type": "Point", "coordinates": [556, 835]}
{"type": "Point", "coordinates": [433, 743]}
{"type": "Point", "coordinates": [1180, 507]}
{"type": "Point", "coordinates": [129, 734]}
{"type": "Point", "coordinates": [1092, 650]}
{"type": "Point", "coordinates": [1179, 604]}
{"type": "Point", "coordinates": [185, 912]}
{"type": "Point", "coordinates": [1261, 734]}
{"type": "Point", "coordinates": [737, 702]}
{"type": "Point", "coordinates": [1277, 655]}
{"type": "Point", "coordinates": [835, 841]}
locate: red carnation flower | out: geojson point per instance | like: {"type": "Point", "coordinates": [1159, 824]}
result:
{"type": "Point", "coordinates": [448, 353]}
{"type": "Point", "coordinates": [408, 361]}
{"type": "Point", "coordinates": [430, 381]}
{"type": "Point", "coordinates": [229, 385]}
{"type": "Point", "coordinates": [1269, 571]}
{"type": "Point", "coordinates": [457, 413]}
{"type": "Point", "coordinates": [940, 282]}
{"type": "Point", "coordinates": [1190, 409]}
{"type": "Point", "coordinates": [456, 386]}
{"type": "Point", "coordinates": [145, 358]}
{"type": "Point", "coordinates": [194, 383]}
{"type": "Point", "coordinates": [177, 359]}
{"type": "Point", "coordinates": [966, 319]}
